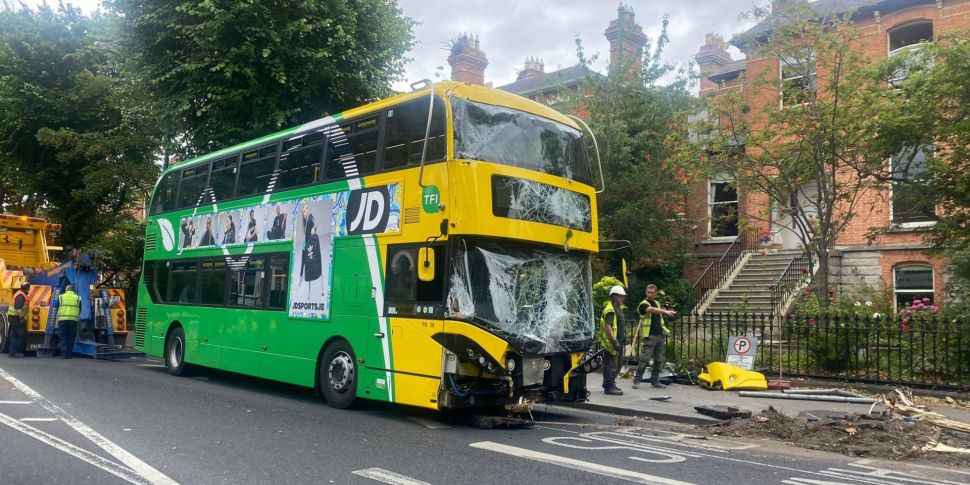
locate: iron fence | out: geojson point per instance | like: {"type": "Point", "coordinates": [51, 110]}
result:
{"type": "Point", "coordinates": [925, 351]}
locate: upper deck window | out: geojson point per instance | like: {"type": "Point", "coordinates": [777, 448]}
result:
{"type": "Point", "coordinates": [511, 137]}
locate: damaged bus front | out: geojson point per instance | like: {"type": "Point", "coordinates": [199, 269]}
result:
{"type": "Point", "coordinates": [520, 239]}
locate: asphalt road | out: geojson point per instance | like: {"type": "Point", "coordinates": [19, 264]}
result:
{"type": "Point", "coordinates": [88, 422]}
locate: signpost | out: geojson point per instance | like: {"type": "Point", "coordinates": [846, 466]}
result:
{"type": "Point", "coordinates": [741, 350]}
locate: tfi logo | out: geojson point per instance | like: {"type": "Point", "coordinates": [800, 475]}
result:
{"type": "Point", "coordinates": [370, 209]}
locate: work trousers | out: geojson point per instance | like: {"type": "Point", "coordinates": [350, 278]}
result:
{"type": "Point", "coordinates": [67, 334]}
{"type": "Point", "coordinates": [654, 347]}
{"type": "Point", "coordinates": [611, 367]}
{"type": "Point", "coordinates": [18, 336]}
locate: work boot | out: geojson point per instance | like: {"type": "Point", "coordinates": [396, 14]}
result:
{"type": "Point", "coordinates": [658, 384]}
{"type": "Point", "coordinates": [636, 384]}
{"type": "Point", "coordinates": [614, 391]}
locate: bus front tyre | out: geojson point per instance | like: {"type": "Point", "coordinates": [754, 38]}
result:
{"type": "Point", "coordinates": [175, 353]}
{"type": "Point", "coordinates": [338, 375]}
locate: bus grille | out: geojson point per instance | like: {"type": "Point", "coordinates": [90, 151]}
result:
{"type": "Point", "coordinates": [151, 242]}
{"type": "Point", "coordinates": [412, 215]}
{"type": "Point", "coordinates": [141, 318]}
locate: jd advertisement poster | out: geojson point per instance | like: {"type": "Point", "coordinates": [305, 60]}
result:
{"type": "Point", "coordinates": [311, 223]}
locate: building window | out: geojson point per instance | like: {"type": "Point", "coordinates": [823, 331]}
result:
{"type": "Point", "coordinates": [906, 39]}
{"type": "Point", "coordinates": [913, 283]}
{"type": "Point", "coordinates": [910, 205]}
{"type": "Point", "coordinates": [797, 79]}
{"type": "Point", "coordinates": [723, 208]}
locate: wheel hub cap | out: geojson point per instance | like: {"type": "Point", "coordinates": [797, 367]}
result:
{"type": "Point", "coordinates": [341, 372]}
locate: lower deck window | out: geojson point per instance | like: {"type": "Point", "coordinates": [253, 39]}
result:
{"type": "Point", "coordinates": [257, 281]}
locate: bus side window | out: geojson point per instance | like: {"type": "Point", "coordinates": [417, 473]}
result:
{"type": "Point", "coordinates": [184, 277]}
{"type": "Point", "coordinates": [300, 161]}
{"type": "Point", "coordinates": [256, 170]}
{"type": "Point", "coordinates": [165, 196]}
{"type": "Point", "coordinates": [246, 284]}
{"type": "Point", "coordinates": [279, 268]}
{"type": "Point", "coordinates": [352, 148]}
{"type": "Point", "coordinates": [160, 282]}
{"type": "Point", "coordinates": [404, 137]}
{"type": "Point", "coordinates": [406, 294]}
{"type": "Point", "coordinates": [193, 184]}
{"type": "Point", "coordinates": [212, 283]}
{"type": "Point", "coordinates": [223, 178]}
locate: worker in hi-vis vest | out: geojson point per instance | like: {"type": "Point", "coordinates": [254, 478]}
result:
{"type": "Point", "coordinates": [608, 335]}
{"type": "Point", "coordinates": [17, 316]}
{"type": "Point", "coordinates": [68, 312]}
{"type": "Point", "coordinates": [654, 327]}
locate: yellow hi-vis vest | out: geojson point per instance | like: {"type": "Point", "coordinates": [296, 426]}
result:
{"type": "Point", "coordinates": [11, 311]}
{"type": "Point", "coordinates": [645, 321]}
{"type": "Point", "coordinates": [69, 307]}
{"type": "Point", "coordinates": [601, 335]}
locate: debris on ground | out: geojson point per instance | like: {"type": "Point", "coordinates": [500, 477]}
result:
{"type": "Point", "coordinates": [494, 422]}
{"type": "Point", "coordinates": [660, 398]}
{"type": "Point", "coordinates": [904, 431]}
{"type": "Point", "coordinates": [723, 412]}
{"type": "Point", "coordinates": [829, 395]}
{"type": "Point", "coordinates": [778, 385]}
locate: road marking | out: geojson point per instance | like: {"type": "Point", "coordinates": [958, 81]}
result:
{"type": "Point", "coordinates": [429, 423]}
{"type": "Point", "coordinates": [585, 466]}
{"type": "Point", "coordinates": [141, 468]}
{"type": "Point", "coordinates": [384, 476]}
{"type": "Point", "coordinates": [16, 402]}
{"type": "Point", "coordinates": [79, 453]}
{"type": "Point", "coordinates": [35, 420]}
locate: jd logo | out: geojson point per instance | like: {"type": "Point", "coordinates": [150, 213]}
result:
{"type": "Point", "coordinates": [370, 209]}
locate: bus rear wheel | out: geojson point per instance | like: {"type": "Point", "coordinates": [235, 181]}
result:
{"type": "Point", "coordinates": [175, 353]}
{"type": "Point", "coordinates": [338, 375]}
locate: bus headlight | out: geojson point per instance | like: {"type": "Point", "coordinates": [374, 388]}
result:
{"type": "Point", "coordinates": [510, 365]}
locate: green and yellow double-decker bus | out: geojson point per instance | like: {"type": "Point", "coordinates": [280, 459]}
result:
{"type": "Point", "coordinates": [430, 249]}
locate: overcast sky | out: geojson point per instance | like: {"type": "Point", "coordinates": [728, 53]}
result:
{"type": "Point", "coordinates": [511, 30]}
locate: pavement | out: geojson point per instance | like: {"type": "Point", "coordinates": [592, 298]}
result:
{"type": "Point", "coordinates": [680, 407]}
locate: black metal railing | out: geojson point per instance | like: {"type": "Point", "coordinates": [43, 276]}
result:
{"type": "Point", "coordinates": [925, 351]}
{"type": "Point", "coordinates": [791, 280]}
{"type": "Point", "coordinates": [715, 272]}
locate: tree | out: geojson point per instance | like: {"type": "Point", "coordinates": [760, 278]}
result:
{"type": "Point", "coordinates": [226, 72]}
{"type": "Point", "coordinates": [634, 118]}
{"type": "Point", "coordinates": [74, 145]}
{"type": "Point", "coordinates": [932, 108]}
{"type": "Point", "coordinates": [820, 157]}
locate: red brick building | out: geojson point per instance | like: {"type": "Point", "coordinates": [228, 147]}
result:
{"type": "Point", "coordinates": [898, 259]}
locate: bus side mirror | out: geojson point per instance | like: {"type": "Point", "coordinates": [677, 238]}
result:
{"type": "Point", "coordinates": [426, 264]}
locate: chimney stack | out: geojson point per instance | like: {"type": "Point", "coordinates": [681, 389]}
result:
{"type": "Point", "coordinates": [711, 57]}
{"type": "Point", "coordinates": [626, 39]}
{"type": "Point", "coordinates": [467, 60]}
{"type": "Point", "coordinates": [533, 67]}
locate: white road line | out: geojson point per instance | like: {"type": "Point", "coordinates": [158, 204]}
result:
{"type": "Point", "coordinates": [585, 466]}
{"type": "Point", "coordinates": [79, 453]}
{"type": "Point", "coordinates": [384, 476]}
{"type": "Point", "coordinates": [429, 423]}
{"type": "Point", "coordinates": [16, 402]}
{"type": "Point", "coordinates": [141, 468]}
{"type": "Point", "coordinates": [37, 420]}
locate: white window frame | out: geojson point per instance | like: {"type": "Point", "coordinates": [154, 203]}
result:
{"type": "Point", "coordinates": [906, 48]}
{"type": "Point", "coordinates": [897, 291]}
{"type": "Point", "coordinates": [781, 79]}
{"type": "Point", "coordinates": [722, 179]}
{"type": "Point", "coordinates": [892, 207]}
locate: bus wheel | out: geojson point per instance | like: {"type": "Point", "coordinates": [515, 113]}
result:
{"type": "Point", "coordinates": [3, 333]}
{"type": "Point", "coordinates": [175, 353]}
{"type": "Point", "coordinates": [338, 375]}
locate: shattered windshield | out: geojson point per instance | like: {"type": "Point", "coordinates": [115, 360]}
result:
{"type": "Point", "coordinates": [512, 137]}
{"type": "Point", "coordinates": [538, 299]}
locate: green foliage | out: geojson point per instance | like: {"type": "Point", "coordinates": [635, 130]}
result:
{"type": "Point", "coordinates": [120, 251]}
{"type": "Point", "coordinates": [932, 107]}
{"type": "Point", "coordinates": [601, 292]}
{"type": "Point", "coordinates": [231, 71]}
{"type": "Point", "coordinates": [74, 145]}
{"type": "Point", "coordinates": [633, 118]}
